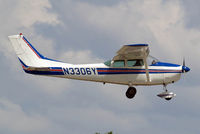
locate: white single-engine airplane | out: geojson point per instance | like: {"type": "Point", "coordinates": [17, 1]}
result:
{"type": "Point", "coordinates": [131, 66]}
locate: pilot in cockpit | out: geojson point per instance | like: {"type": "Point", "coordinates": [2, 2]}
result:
{"type": "Point", "coordinates": [153, 62]}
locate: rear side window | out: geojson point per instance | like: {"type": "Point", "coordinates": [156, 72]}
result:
{"type": "Point", "coordinates": [119, 63]}
{"type": "Point", "coordinates": [136, 62]}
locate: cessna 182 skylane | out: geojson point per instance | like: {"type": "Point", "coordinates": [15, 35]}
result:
{"type": "Point", "coordinates": [132, 66]}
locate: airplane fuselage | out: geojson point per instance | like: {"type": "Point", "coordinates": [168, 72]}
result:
{"type": "Point", "coordinates": [101, 73]}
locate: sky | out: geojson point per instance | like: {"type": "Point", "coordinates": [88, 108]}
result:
{"type": "Point", "coordinates": [91, 31]}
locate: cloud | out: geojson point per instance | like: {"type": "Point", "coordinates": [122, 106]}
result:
{"type": "Point", "coordinates": [80, 57]}
{"type": "Point", "coordinates": [15, 120]}
{"type": "Point", "coordinates": [90, 120]}
{"type": "Point", "coordinates": [191, 10]}
{"type": "Point", "coordinates": [22, 16]}
{"type": "Point", "coordinates": [30, 12]}
{"type": "Point", "coordinates": [50, 86]}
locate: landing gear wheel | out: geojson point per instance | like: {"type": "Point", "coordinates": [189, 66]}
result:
{"type": "Point", "coordinates": [130, 93]}
{"type": "Point", "coordinates": [166, 95]}
{"type": "Point", "coordinates": [168, 99]}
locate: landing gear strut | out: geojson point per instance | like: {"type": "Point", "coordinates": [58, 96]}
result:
{"type": "Point", "coordinates": [166, 95]}
{"type": "Point", "coordinates": [130, 93]}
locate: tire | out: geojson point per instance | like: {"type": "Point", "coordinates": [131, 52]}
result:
{"type": "Point", "coordinates": [168, 99]}
{"type": "Point", "coordinates": [130, 93]}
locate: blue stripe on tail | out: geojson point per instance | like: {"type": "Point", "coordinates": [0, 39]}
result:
{"type": "Point", "coordinates": [40, 55]}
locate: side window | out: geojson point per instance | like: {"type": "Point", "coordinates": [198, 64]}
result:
{"type": "Point", "coordinates": [119, 63]}
{"type": "Point", "coordinates": [136, 62]}
{"type": "Point", "coordinates": [131, 63]}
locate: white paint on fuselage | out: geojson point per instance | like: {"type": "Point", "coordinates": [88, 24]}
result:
{"type": "Point", "coordinates": [125, 79]}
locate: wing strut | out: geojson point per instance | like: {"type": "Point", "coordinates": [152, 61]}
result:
{"type": "Point", "coordinates": [146, 68]}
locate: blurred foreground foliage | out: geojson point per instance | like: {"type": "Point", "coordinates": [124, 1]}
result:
{"type": "Point", "coordinates": [105, 133]}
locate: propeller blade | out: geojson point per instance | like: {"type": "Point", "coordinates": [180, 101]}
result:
{"type": "Point", "coordinates": [183, 61]}
{"type": "Point", "coordinates": [183, 66]}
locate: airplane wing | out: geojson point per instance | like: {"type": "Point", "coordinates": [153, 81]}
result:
{"type": "Point", "coordinates": [135, 51]}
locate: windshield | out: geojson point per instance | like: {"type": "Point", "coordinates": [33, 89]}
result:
{"type": "Point", "coordinates": [151, 60]}
{"type": "Point", "coordinates": [108, 63]}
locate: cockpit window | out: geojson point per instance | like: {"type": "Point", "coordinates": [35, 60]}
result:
{"type": "Point", "coordinates": [151, 60]}
{"type": "Point", "coordinates": [135, 62]}
{"type": "Point", "coordinates": [131, 63]}
{"type": "Point", "coordinates": [108, 63]}
{"type": "Point", "coordinates": [119, 63]}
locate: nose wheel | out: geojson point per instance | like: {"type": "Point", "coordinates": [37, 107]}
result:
{"type": "Point", "coordinates": [166, 95]}
{"type": "Point", "coordinates": [130, 93]}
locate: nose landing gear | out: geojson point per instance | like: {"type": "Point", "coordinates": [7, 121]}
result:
{"type": "Point", "coordinates": [166, 95]}
{"type": "Point", "coordinates": [130, 93]}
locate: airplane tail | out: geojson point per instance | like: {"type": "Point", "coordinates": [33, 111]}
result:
{"type": "Point", "coordinates": [27, 54]}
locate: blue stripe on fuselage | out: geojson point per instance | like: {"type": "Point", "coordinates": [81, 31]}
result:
{"type": "Point", "coordinates": [111, 71]}
{"type": "Point", "coordinates": [165, 64]}
{"type": "Point", "coordinates": [44, 72]}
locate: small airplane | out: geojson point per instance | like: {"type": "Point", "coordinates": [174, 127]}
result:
{"type": "Point", "coordinates": [132, 66]}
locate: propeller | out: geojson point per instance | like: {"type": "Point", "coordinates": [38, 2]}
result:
{"type": "Point", "coordinates": [184, 68]}
{"type": "Point", "coordinates": [184, 61]}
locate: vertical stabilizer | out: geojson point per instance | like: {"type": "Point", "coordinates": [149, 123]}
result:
{"type": "Point", "coordinates": [25, 51]}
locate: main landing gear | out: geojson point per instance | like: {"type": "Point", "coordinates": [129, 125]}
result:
{"type": "Point", "coordinates": [166, 95]}
{"type": "Point", "coordinates": [130, 93]}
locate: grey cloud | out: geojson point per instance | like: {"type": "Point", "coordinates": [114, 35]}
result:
{"type": "Point", "coordinates": [13, 119]}
{"type": "Point", "coordinates": [102, 2]}
{"type": "Point", "coordinates": [191, 13]}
